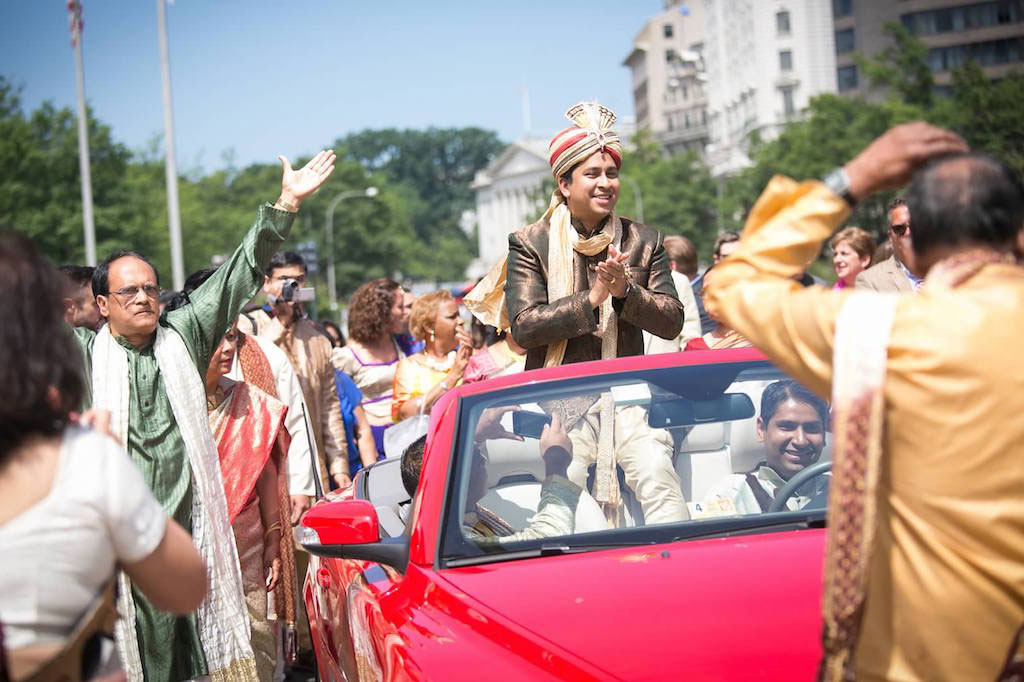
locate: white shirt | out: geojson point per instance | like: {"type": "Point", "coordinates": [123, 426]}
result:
{"type": "Point", "coordinates": [58, 554]}
{"type": "Point", "coordinates": [289, 392]}
{"type": "Point", "coordinates": [654, 345]}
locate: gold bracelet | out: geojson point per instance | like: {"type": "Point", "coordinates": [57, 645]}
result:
{"type": "Point", "coordinates": [288, 206]}
{"type": "Point", "coordinates": [273, 527]}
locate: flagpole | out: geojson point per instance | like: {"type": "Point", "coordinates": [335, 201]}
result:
{"type": "Point", "coordinates": [83, 136]}
{"type": "Point", "coordinates": [170, 166]}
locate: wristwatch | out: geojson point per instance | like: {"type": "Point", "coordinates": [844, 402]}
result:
{"type": "Point", "coordinates": [839, 182]}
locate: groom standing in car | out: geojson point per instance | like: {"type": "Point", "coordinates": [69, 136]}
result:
{"type": "Point", "coordinates": [584, 283]}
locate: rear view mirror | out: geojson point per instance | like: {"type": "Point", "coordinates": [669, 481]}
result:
{"type": "Point", "coordinates": [681, 412]}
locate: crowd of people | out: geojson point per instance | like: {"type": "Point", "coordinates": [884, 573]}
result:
{"type": "Point", "coordinates": [186, 433]}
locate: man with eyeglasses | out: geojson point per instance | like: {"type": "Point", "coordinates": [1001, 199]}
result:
{"type": "Point", "coordinates": [146, 371]}
{"type": "Point", "coordinates": [896, 272]}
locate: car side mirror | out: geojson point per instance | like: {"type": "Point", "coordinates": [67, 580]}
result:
{"type": "Point", "coordinates": [348, 529]}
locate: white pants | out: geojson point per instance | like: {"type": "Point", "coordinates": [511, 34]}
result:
{"type": "Point", "coordinates": [645, 455]}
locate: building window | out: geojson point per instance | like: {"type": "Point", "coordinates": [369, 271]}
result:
{"type": "Point", "coordinates": [842, 8]}
{"type": "Point", "coordinates": [782, 23]}
{"type": "Point", "coordinates": [988, 53]}
{"type": "Point", "coordinates": [667, 29]}
{"type": "Point", "coordinates": [964, 17]}
{"type": "Point", "coordinates": [846, 77]}
{"type": "Point", "coordinates": [786, 60]}
{"type": "Point", "coordinates": [670, 55]}
{"type": "Point", "coordinates": [788, 108]}
{"type": "Point", "coordinates": [844, 41]}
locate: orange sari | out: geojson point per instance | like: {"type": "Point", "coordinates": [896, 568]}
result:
{"type": "Point", "coordinates": [249, 429]}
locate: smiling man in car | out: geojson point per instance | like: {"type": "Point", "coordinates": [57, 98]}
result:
{"type": "Point", "coordinates": [792, 429]}
{"type": "Point", "coordinates": [584, 283]}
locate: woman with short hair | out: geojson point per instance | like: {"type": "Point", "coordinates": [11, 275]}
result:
{"type": "Point", "coordinates": [852, 250]}
{"type": "Point", "coordinates": [424, 377]}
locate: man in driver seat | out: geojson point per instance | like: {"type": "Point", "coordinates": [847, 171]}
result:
{"type": "Point", "coordinates": [792, 428]}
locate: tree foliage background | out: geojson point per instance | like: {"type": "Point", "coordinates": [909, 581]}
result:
{"type": "Point", "coordinates": [414, 225]}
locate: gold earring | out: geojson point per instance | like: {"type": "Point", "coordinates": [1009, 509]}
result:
{"type": "Point", "coordinates": [431, 336]}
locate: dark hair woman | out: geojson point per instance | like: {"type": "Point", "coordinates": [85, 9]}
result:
{"type": "Point", "coordinates": [376, 313]}
{"type": "Point", "coordinates": [72, 504]}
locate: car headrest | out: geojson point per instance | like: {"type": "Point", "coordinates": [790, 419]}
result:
{"type": "Point", "coordinates": [704, 438]}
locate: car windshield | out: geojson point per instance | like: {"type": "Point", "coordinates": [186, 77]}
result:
{"type": "Point", "coordinates": [635, 458]}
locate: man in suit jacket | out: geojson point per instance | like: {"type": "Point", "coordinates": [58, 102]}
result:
{"type": "Point", "coordinates": [896, 272]}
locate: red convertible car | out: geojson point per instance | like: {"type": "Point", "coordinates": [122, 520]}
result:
{"type": "Point", "coordinates": [499, 569]}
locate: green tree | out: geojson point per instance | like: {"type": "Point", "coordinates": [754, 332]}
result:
{"type": "Point", "coordinates": [437, 165]}
{"type": "Point", "coordinates": [40, 191]}
{"type": "Point", "coordinates": [678, 194]}
{"type": "Point", "coordinates": [901, 67]}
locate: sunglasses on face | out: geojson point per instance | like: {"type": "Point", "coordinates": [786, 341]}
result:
{"type": "Point", "coordinates": [900, 229]}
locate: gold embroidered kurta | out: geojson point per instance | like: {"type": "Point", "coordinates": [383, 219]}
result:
{"type": "Point", "coordinates": [310, 355]}
{"type": "Point", "coordinates": [651, 304]}
{"type": "Point", "coordinates": [945, 596]}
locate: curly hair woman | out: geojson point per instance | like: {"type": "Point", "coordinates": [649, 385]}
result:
{"type": "Point", "coordinates": [375, 314]}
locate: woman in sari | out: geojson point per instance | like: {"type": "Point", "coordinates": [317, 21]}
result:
{"type": "Point", "coordinates": [502, 357]}
{"type": "Point", "coordinates": [248, 426]}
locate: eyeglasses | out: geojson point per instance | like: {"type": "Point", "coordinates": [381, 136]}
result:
{"type": "Point", "coordinates": [129, 293]}
{"type": "Point", "coordinates": [900, 229]}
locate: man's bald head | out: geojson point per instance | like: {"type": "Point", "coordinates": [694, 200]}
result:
{"type": "Point", "coordinates": [965, 200]}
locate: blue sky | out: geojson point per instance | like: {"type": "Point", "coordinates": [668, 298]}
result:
{"type": "Point", "coordinates": [262, 78]}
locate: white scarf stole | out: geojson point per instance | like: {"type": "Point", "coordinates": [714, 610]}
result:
{"type": "Point", "coordinates": [563, 243]}
{"type": "Point", "coordinates": [222, 617]}
{"type": "Point", "coordinates": [860, 356]}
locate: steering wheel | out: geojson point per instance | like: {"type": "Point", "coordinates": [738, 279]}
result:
{"type": "Point", "coordinates": [783, 494]}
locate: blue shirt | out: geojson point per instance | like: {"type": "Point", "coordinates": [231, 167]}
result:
{"type": "Point", "coordinates": [349, 396]}
{"type": "Point", "coordinates": [915, 282]}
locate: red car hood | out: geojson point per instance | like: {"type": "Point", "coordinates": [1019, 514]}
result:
{"type": "Point", "coordinates": [732, 608]}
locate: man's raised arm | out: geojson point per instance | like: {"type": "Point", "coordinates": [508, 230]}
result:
{"type": "Point", "coordinates": [754, 289]}
{"type": "Point", "coordinates": [218, 301]}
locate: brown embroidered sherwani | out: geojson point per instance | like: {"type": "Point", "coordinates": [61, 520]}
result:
{"type": "Point", "coordinates": [651, 305]}
{"type": "Point", "coordinates": [310, 355]}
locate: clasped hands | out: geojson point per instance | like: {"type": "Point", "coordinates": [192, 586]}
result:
{"type": "Point", "coordinates": [611, 278]}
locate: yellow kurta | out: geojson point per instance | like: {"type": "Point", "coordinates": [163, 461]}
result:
{"type": "Point", "coordinates": [415, 376]}
{"type": "Point", "coordinates": [945, 596]}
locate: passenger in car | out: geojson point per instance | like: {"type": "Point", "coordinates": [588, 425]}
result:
{"type": "Point", "coordinates": [792, 428]}
{"type": "Point", "coordinates": [556, 513]}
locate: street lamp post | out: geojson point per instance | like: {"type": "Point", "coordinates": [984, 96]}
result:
{"type": "Point", "coordinates": [370, 192]}
{"type": "Point", "coordinates": [639, 197]}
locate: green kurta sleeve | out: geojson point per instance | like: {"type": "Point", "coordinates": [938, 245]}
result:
{"type": "Point", "coordinates": [220, 299]}
{"type": "Point", "coordinates": [85, 338]}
